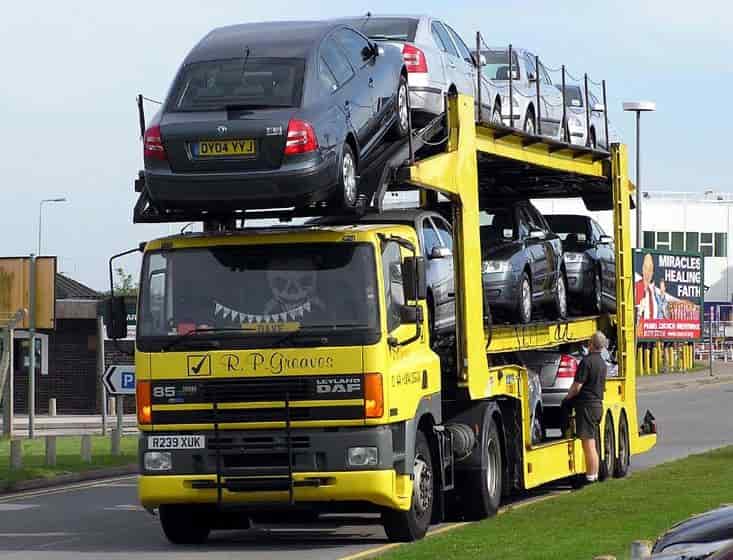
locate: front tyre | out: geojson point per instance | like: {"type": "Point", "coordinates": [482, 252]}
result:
{"type": "Point", "coordinates": [608, 457]}
{"type": "Point", "coordinates": [561, 297]}
{"type": "Point", "coordinates": [524, 305]}
{"type": "Point", "coordinates": [411, 525]}
{"type": "Point", "coordinates": [347, 191]}
{"type": "Point", "coordinates": [623, 458]}
{"type": "Point", "coordinates": [184, 525]}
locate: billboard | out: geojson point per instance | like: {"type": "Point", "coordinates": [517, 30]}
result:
{"type": "Point", "coordinates": [15, 283]}
{"type": "Point", "coordinates": [668, 295]}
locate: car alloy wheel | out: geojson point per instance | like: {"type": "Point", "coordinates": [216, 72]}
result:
{"type": "Point", "coordinates": [529, 125]}
{"type": "Point", "coordinates": [562, 299]}
{"type": "Point", "coordinates": [348, 173]}
{"type": "Point", "coordinates": [597, 293]}
{"type": "Point", "coordinates": [402, 109]}
{"type": "Point", "coordinates": [526, 300]}
{"type": "Point", "coordinates": [493, 464]}
{"type": "Point", "coordinates": [496, 115]}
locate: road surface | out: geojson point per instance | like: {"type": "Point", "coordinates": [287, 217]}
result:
{"type": "Point", "coordinates": [103, 520]}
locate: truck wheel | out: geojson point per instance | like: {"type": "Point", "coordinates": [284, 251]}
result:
{"type": "Point", "coordinates": [621, 467]}
{"type": "Point", "coordinates": [482, 494]}
{"type": "Point", "coordinates": [608, 458]}
{"type": "Point", "coordinates": [184, 524]}
{"type": "Point", "coordinates": [411, 525]}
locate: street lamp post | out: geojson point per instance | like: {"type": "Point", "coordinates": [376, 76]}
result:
{"type": "Point", "coordinates": [40, 218]}
{"type": "Point", "coordinates": [638, 107]}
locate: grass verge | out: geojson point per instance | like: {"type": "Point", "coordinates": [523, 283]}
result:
{"type": "Point", "coordinates": [68, 457]}
{"type": "Point", "coordinates": [599, 519]}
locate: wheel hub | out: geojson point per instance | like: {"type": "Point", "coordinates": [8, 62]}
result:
{"type": "Point", "coordinates": [402, 107]}
{"type": "Point", "coordinates": [422, 485]}
{"type": "Point", "coordinates": [349, 174]}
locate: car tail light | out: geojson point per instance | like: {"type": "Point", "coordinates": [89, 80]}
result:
{"type": "Point", "coordinates": [568, 366]}
{"type": "Point", "coordinates": [373, 395]}
{"type": "Point", "coordinates": [153, 144]}
{"type": "Point", "coordinates": [414, 59]}
{"type": "Point", "coordinates": [144, 402]}
{"type": "Point", "coordinates": [301, 138]}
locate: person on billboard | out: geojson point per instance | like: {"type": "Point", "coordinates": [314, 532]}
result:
{"type": "Point", "coordinates": [645, 291]}
{"type": "Point", "coordinates": [662, 301]}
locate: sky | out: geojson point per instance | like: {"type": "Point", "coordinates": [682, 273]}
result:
{"type": "Point", "coordinates": [71, 71]}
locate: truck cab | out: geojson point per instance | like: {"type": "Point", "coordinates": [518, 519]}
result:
{"type": "Point", "coordinates": [288, 367]}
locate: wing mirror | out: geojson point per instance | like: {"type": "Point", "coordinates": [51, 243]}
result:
{"type": "Point", "coordinates": [605, 240]}
{"type": "Point", "coordinates": [598, 108]}
{"type": "Point", "coordinates": [414, 279]}
{"type": "Point", "coordinates": [115, 317]}
{"type": "Point", "coordinates": [478, 59]}
{"type": "Point", "coordinates": [537, 234]}
{"type": "Point", "coordinates": [440, 253]}
{"type": "Point", "coordinates": [531, 78]}
{"type": "Point", "coordinates": [411, 315]}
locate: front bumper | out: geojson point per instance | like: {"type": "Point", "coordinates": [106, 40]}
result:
{"type": "Point", "coordinates": [253, 468]}
{"type": "Point", "coordinates": [501, 289]}
{"type": "Point", "coordinates": [301, 181]}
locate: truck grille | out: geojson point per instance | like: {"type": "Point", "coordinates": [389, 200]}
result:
{"type": "Point", "coordinates": [349, 412]}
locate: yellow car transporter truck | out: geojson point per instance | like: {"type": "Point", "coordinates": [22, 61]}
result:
{"type": "Point", "coordinates": [289, 369]}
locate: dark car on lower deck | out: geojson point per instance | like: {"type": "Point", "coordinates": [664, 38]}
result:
{"type": "Point", "coordinates": [271, 115]}
{"type": "Point", "coordinates": [590, 261]}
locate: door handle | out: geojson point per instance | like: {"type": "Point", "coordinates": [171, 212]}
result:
{"type": "Point", "coordinates": [371, 82]}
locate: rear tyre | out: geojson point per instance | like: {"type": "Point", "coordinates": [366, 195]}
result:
{"type": "Point", "coordinates": [482, 493]}
{"type": "Point", "coordinates": [561, 297]}
{"type": "Point", "coordinates": [623, 459]}
{"type": "Point", "coordinates": [411, 525]}
{"type": "Point", "coordinates": [530, 126]}
{"type": "Point", "coordinates": [348, 189]}
{"type": "Point", "coordinates": [401, 126]}
{"type": "Point", "coordinates": [608, 457]}
{"type": "Point", "coordinates": [524, 305]}
{"type": "Point", "coordinates": [184, 524]}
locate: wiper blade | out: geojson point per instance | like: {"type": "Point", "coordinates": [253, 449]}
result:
{"type": "Point", "coordinates": [185, 337]}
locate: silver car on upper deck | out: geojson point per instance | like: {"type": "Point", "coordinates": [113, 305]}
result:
{"type": "Point", "coordinates": [438, 62]}
{"type": "Point", "coordinates": [526, 114]}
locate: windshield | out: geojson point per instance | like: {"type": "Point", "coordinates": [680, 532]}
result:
{"type": "Point", "coordinates": [497, 64]}
{"type": "Point", "coordinates": [249, 82]}
{"type": "Point", "coordinates": [257, 291]}
{"type": "Point", "coordinates": [395, 29]}
{"type": "Point", "coordinates": [572, 230]}
{"type": "Point", "coordinates": [496, 226]}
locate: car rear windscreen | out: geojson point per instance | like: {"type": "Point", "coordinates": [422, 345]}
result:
{"type": "Point", "coordinates": [238, 83]}
{"type": "Point", "coordinates": [573, 96]}
{"type": "Point", "coordinates": [392, 29]}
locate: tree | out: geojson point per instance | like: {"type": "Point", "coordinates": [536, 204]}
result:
{"type": "Point", "coordinates": [124, 283]}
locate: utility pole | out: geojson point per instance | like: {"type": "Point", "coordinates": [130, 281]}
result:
{"type": "Point", "coordinates": [32, 360]}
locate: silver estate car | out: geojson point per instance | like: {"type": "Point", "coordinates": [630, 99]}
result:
{"type": "Point", "coordinates": [437, 61]}
{"type": "Point", "coordinates": [577, 118]}
{"type": "Point", "coordinates": [524, 91]}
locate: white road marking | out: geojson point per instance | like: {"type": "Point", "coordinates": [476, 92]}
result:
{"type": "Point", "coordinates": [61, 489]}
{"type": "Point", "coordinates": [16, 507]}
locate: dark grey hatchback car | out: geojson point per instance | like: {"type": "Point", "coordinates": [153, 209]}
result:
{"type": "Point", "coordinates": [272, 115]}
{"type": "Point", "coordinates": [522, 262]}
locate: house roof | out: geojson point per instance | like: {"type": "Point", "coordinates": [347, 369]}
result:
{"type": "Point", "coordinates": [67, 288]}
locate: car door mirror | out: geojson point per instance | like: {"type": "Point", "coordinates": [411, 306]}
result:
{"type": "Point", "coordinates": [605, 240]}
{"type": "Point", "coordinates": [537, 234]}
{"type": "Point", "coordinates": [115, 317]}
{"type": "Point", "coordinates": [414, 279]}
{"type": "Point", "coordinates": [440, 253]}
{"type": "Point", "coordinates": [531, 78]}
{"type": "Point", "coordinates": [478, 60]}
{"type": "Point", "coordinates": [598, 108]}
{"type": "Point", "coordinates": [369, 52]}
{"type": "Point", "coordinates": [410, 315]}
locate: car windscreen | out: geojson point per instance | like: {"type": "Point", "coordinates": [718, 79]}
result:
{"type": "Point", "coordinates": [244, 83]}
{"type": "Point", "coordinates": [392, 29]}
{"type": "Point", "coordinates": [259, 290]}
{"type": "Point", "coordinates": [572, 229]}
{"type": "Point", "coordinates": [573, 96]}
{"type": "Point", "coordinates": [496, 226]}
{"type": "Point", "coordinates": [497, 64]}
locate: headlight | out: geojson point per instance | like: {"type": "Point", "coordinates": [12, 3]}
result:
{"type": "Point", "coordinates": [362, 456]}
{"type": "Point", "coordinates": [158, 461]}
{"type": "Point", "coordinates": [495, 266]}
{"type": "Point", "coordinates": [574, 257]}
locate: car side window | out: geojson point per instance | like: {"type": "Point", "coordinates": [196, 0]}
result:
{"type": "Point", "coordinates": [529, 61]}
{"type": "Point", "coordinates": [355, 46]}
{"type": "Point", "coordinates": [523, 224]}
{"type": "Point", "coordinates": [336, 61]}
{"type": "Point", "coordinates": [444, 232]}
{"type": "Point", "coordinates": [430, 237]}
{"type": "Point", "coordinates": [462, 48]}
{"type": "Point", "coordinates": [530, 218]}
{"type": "Point", "coordinates": [448, 46]}
{"type": "Point", "coordinates": [394, 293]}
{"type": "Point", "coordinates": [326, 77]}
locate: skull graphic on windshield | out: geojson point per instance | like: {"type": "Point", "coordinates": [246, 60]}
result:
{"type": "Point", "coordinates": [291, 286]}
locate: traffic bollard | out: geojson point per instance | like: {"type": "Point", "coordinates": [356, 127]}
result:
{"type": "Point", "coordinates": [16, 454]}
{"type": "Point", "coordinates": [641, 550]}
{"type": "Point", "coordinates": [86, 448]}
{"type": "Point", "coordinates": [52, 407]}
{"type": "Point", "coordinates": [50, 451]}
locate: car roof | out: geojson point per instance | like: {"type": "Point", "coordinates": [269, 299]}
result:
{"type": "Point", "coordinates": [292, 39]}
{"type": "Point", "coordinates": [577, 216]}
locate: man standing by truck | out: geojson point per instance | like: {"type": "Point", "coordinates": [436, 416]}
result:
{"type": "Point", "coordinates": [586, 397]}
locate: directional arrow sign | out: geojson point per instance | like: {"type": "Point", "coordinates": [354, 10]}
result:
{"type": "Point", "coordinates": [120, 380]}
